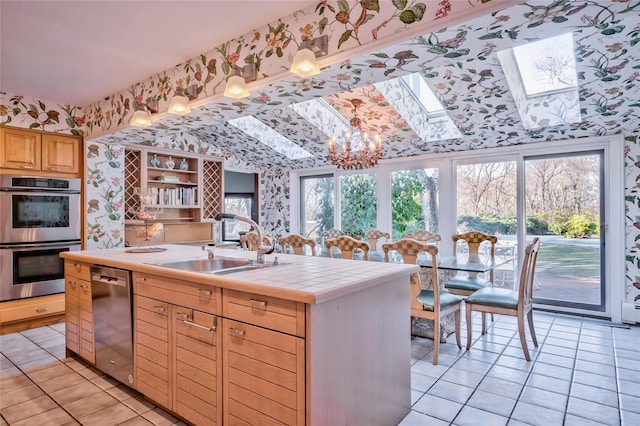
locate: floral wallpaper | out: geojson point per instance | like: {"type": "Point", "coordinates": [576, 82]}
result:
{"type": "Point", "coordinates": [632, 208]}
{"type": "Point", "coordinates": [20, 111]}
{"type": "Point", "coordinates": [104, 196]}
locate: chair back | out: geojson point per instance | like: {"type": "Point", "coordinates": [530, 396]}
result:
{"type": "Point", "coordinates": [249, 241]}
{"type": "Point", "coordinates": [525, 294]}
{"type": "Point", "coordinates": [297, 243]}
{"type": "Point", "coordinates": [409, 250]}
{"type": "Point", "coordinates": [330, 233]}
{"type": "Point", "coordinates": [373, 235]}
{"type": "Point", "coordinates": [347, 245]}
{"type": "Point", "coordinates": [424, 236]}
{"type": "Point", "coordinates": [474, 239]}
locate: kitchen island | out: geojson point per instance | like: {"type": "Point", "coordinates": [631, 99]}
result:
{"type": "Point", "coordinates": [314, 341]}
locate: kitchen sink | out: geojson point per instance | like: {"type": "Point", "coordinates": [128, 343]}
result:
{"type": "Point", "coordinates": [219, 265]}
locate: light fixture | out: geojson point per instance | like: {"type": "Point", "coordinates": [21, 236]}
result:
{"type": "Point", "coordinates": [141, 116]}
{"type": "Point", "coordinates": [357, 151]}
{"type": "Point", "coordinates": [236, 87]}
{"type": "Point", "coordinates": [305, 63]}
{"type": "Point", "coordinates": [180, 102]}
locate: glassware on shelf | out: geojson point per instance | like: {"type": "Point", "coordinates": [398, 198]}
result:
{"type": "Point", "coordinates": [146, 232]}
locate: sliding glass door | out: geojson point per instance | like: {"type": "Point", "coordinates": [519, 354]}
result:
{"type": "Point", "coordinates": [564, 208]}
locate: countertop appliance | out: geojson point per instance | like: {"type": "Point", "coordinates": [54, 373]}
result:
{"type": "Point", "coordinates": [39, 218]}
{"type": "Point", "coordinates": [111, 296]}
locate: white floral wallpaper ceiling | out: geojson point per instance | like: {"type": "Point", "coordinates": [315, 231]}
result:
{"type": "Point", "coordinates": [457, 59]}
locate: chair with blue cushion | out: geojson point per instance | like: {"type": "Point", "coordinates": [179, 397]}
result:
{"type": "Point", "coordinates": [466, 284]}
{"type": "Point", "coordinates": [517, 303]}
{"type": "Point", "coordinates": [424, 236]}
{"type": "Point", "coordinates": [429, 304]}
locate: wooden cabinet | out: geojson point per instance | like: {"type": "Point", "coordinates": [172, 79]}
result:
{"type": "Point", "coordinates": [264, 359]}
{"type": "Point", "coordinates": [177, 351]}
{"type": "Point", "coordinates": [21, 314]}
{"type": "Point", "coordinates": [79, 311]}
{"type": "Point", "coordinates": [34, 151]}
{"type": "Point", "coordinates": [185, 198]}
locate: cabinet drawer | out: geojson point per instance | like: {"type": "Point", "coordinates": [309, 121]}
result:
{"type": "Point", "coordinates": [77, 269]}
{"type": "Point", "coordinates": [196, 325]}
{"type": "Point", "coordinates": [201, 297]}
{"type": "Point", "coordinates": [277, 314]}
{"type": "Point", "coordinates": [264, 374]}
{"type": "Point", "coordinates": [22, 309]}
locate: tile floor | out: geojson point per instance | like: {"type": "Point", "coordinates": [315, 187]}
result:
{"type": "Point", "coordinates": [584, 372]}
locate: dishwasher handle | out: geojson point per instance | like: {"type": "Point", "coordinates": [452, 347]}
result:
{"type": "Point", "coordinates": [105, 279]}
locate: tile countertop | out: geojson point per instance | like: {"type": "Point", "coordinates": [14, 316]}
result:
{"type": "Point", "coordinates": [304, 279]}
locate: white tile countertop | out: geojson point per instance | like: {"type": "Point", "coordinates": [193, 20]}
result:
{"type": "Point", "coordinates": [304, 279]}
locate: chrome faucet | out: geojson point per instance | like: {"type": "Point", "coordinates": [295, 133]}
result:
{"type": "Point", "coordinates": [261, 250]}
{"type": "Point", "coordinates": [209, 251]}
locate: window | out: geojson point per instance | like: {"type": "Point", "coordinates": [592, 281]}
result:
{"type": "Point", "coordinates": [317, 205]}
{"type": "Point", "coordinates": [414, 201]}
{"type": "Point", "coordinates": [358, 203]}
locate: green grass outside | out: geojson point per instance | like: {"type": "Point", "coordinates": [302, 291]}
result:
{"type": "Point", "coordinates": [565, 260]}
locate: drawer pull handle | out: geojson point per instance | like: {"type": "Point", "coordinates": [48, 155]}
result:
{"type": "Point", "coordinates": [204, 293]}
{"type": "Point", "coordinates": [27, 167]}
{"type": "Point", "coordinates": [45, 309]}
{"type": "Point", "coordinates": [193, 324]}
{"type": "Point", "coordinates": [84, 287]}
{"type": "Point", "coordinates": [159, 309]}
{"type": "Point", "coordinates": [258, 303]}
{"type": "Point", "coordinates": [72, 283]}
{"type": "Point", "coordinates": [55, 169]}
{"type": "Point", "coordinates": [140, 279]}
{"type": "Point", "coordinates": [236, 333]}
{"type": "Point", "coordinates": [184, 316]}
{"type": "Point", "coordinates": [77, 265]}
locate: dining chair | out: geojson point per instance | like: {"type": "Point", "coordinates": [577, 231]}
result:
{"type": "Point", "coordinates": [249, 241]}
{"type": "Point", "coordinates": [517, 303]}
{"type": "Point", "coordinates": [297, 243]}
{"type": "Point", "coordinates": [328, 234]}
{"type": "Point", "coordinates": [466, 284]}
{"type": "Point", "coordinates": [430, 304]}
{"type": "Point", "coordinates": [374, 235]}
{"type": "Point", "coordinates": [347, 246]}
{"type": "Point", "coordinates": [424, 236]}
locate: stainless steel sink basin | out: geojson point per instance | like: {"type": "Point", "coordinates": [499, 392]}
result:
{"type": "Point", "coordinates": [205, 265]}
{"type": "Point", "coordinates": [219, 265]}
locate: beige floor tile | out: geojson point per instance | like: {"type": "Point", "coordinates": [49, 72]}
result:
{"type": "Point", "coordinates": [16, 396]}
{"type": "Point", "coordinates": [15, 382]}
{"type": "Point", "coordinates": [105, 382]}
{"type": "Point", "coordinates": [28, 408]}
{"type": "Point", "coordinates": [10, 372]}
{"type": "Point", "coordinates": [37, 364]}
{"type": "Point", "coordinates": [90, 404]}
{"type": "Point", "coordinates": [136, 421]}
{"type": "Point", "coordinates": [55, 417]}
{"type": "Point", "coordinates": [89, 373]}
{"type": "Point", "coordinates": [139, 404]}
{"type": "Point", "coordinates": [73, 393]}
{"type": "Point", "coordinates": [112, 415]}
{"type": "Point", "coordinates": [47, 373]}
{"type": "Point", "coordinates": [159, 417]}
{"type": "Point", "coordinates": [122, 392]}
{"type": "Point", "coordinates": [61, 382]}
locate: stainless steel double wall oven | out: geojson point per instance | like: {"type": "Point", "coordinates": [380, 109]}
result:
{"type": "Point", "coordinates": [39, 218]}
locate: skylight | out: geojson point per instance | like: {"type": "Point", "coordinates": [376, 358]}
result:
{"type": "Point", "coordinates": [413, 99]}
{"type": "Point", "coordinates": [322, 115]}
{"type": "Point", "coordinates": [266, 135]}
{"type": "Point", "coordinates": [543, 80]}
{"type": "Point", "coordinates": [547, 65]}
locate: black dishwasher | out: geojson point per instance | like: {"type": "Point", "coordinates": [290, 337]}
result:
{"type": "Point", "coordinates": [111, 296]}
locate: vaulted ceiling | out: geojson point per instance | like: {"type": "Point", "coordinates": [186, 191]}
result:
{"type": "Point", "coordinates": [460, 65]}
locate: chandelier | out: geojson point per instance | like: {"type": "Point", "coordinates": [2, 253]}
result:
{"type": "Point", "coordinates": [357, 151]}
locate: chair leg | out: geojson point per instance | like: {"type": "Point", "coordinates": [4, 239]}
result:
{"type": "Point", "coordinates": [457, 318]}
{"type": "Point", "coordinates": [436, 339]}
{"type": "Point", "coordinates": [523, 337]}
{"type": "Point", "coordinates": [467, 309]}
{"type": "Point", "coordinates": [484, 323]}
{"type": "Point", "coordinates": [533, 332]}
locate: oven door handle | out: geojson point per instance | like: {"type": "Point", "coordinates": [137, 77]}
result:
{"type": "Point", "coordinates": [21, 246]}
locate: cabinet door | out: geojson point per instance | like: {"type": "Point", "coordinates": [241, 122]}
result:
{"type": "Point", "coordinates": [198, 367]}
{"type": "Point", "coordinates": [60, 154]}
{"type": "Point", "coordinates": [20, 149]}
{"type": "Point", "coordinates": [264, 375]}
{"type": "Point", "coordinates": [72, 314]}
{"type": "Point", "coordinates": [87, 342]}
{"type": "Point", "coordinates": [152, 350]}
